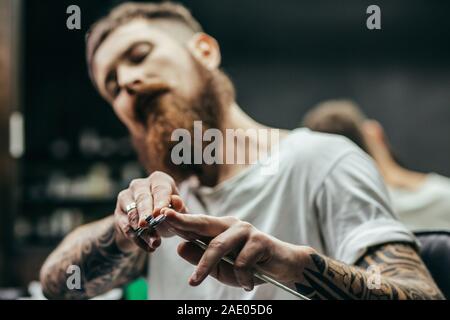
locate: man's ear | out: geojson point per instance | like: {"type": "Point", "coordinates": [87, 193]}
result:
{"type": "Point", "coordinates": [205, 49]}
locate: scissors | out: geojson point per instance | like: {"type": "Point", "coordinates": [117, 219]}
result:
{"type": "Point", "coordinates": [154, 222]}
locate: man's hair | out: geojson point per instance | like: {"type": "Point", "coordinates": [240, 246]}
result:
{"type": "Point", "coordinates": [129, 11]}
{"type": "Point", "coordinates": [341, 117]}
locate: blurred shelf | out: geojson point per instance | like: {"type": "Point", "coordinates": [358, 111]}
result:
{"type": "Point", "coordinates": [33, 209]}
{"type": "Point", "coordinates": [89, 207]}
{"type": "Point", "coordinates": [77, 161]}
{"type": "Point", "coordinates": [69, 202]}
{"type": "Point", "coordinates": [34, 254]}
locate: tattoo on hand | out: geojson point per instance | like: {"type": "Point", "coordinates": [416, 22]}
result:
{"type": "Point", "coordinates": [403, 276]}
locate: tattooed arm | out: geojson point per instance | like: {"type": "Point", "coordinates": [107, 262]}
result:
{"type": "Point", "coordinates": [390, 271]}
{"type": "Point", "coordinates": [107, 252]}
{"type": "Point", "coordinates": [103, 265]}
{"type": "Point", "coordinates": [402, 274]}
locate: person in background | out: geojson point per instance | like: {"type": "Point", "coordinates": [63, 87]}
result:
{"type": "Point", "coordinates": [422, 200]}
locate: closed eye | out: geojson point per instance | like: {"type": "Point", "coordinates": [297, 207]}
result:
{"type": "Point", "coordinates": [138, 52]}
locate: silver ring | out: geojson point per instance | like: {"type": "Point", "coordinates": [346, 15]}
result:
{"type": "Point", "coordinates": [131, 207]}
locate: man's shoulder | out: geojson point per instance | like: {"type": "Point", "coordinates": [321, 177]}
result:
{"type": "Point", "coordinates": [307, 158]}
{"type": "Point", "coordinates": [319, 150]}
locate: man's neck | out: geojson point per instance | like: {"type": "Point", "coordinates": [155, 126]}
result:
{"type": "Point", "coordinates": [394, 175]}
{"type": "Point", "coordinates": [239, 123]}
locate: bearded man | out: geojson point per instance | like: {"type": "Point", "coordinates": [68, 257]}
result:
{"type": "Point", "coordinates": [320, 223]}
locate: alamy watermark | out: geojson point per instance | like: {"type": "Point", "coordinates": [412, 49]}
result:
{"type": "Point", "coordinates": [373, 22]}
{"type": "Point", "coordinates": [73, 22]}
{"type": "Point", "coordinates": [248, 146]}
{"type": "Point", "coordinates": [73, 281]}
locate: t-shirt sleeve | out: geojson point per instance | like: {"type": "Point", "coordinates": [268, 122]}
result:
{"type": "Point", "coordinates": [354, 210]}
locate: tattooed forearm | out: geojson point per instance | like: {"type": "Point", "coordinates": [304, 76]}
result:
{"type": "Point", "coordinates": [402, 275]}
{"type": "Point", "coordinates": [102, 264]}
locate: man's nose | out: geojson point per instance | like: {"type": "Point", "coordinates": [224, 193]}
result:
{"type": "Point", "coordinates": [130, 79]}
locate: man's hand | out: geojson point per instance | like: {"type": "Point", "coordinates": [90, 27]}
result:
{"type": "Point", "coordinates": [107, 251]}
{"type": "Point", "coordinates": [250, 247]}
{"type": "Point", "coordinates": [402, 274]}
{"type": "Point", "coordinates": [150, 195]}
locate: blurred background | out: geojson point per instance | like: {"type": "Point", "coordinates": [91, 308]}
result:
{"type": "Point", "coordinates": [64, 156]}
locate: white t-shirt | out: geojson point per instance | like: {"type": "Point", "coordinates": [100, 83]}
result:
{"type": "Point", "coordinates": [428, 207]}
{"type": "Point", "coordinates": [326, 194]}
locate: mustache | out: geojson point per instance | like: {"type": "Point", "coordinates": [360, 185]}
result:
{"type": "Point", "coordinates": [147, 104]}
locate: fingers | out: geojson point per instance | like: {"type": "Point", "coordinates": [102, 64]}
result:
{"type": "Point", "coordinates": [189, 236]}
{"type": "Point", "coordinates": [220, 246]}
{"type": "Point", "coordinates": [128, 223]}
{"type": "Point", "coordinates": [222, 271]}
{"type": "Point", "coordinates": [123, 224]}
{"type": "Point", "coordinates": [166, 230]}
{"type": "Point", "coordinates": [124, 199]}
{"type": "Point", "coordinates": [252, 253]}
{"type": "Point", "coordinates": [162, 187]}
{"type": "Point", "coordinates": [151, 238]}
{"type": "Point", "coordinates": [240, 236]}
{"type": "Point", "coordinates": [200, 224]}
{"type": "Point", "coordinates": [190, 252]}
{"type": "Point", "coordinates": [178, 204]}
{"type": "Point", "coordinates": [140, 190]}
{"type": "Point", "coordinates": [150, 195]}
{"type": "Point", "coordinates": [161, 196]}
{"type": "Point", "coordinates": [145, 245]}
{"type": "Point", "coordinates": [153, 194]}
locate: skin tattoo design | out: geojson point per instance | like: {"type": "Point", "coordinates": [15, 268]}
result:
{"type": "Point", "coordinates": [402, 276]}
{"type": "Point", "coordinates": [103, 265]}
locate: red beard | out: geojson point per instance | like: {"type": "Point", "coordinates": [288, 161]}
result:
{"type": "Point", "coordinates": [168, 111]}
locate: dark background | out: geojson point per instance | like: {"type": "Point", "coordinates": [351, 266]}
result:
{"type": "Point", "coordinates": [284, 57]}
